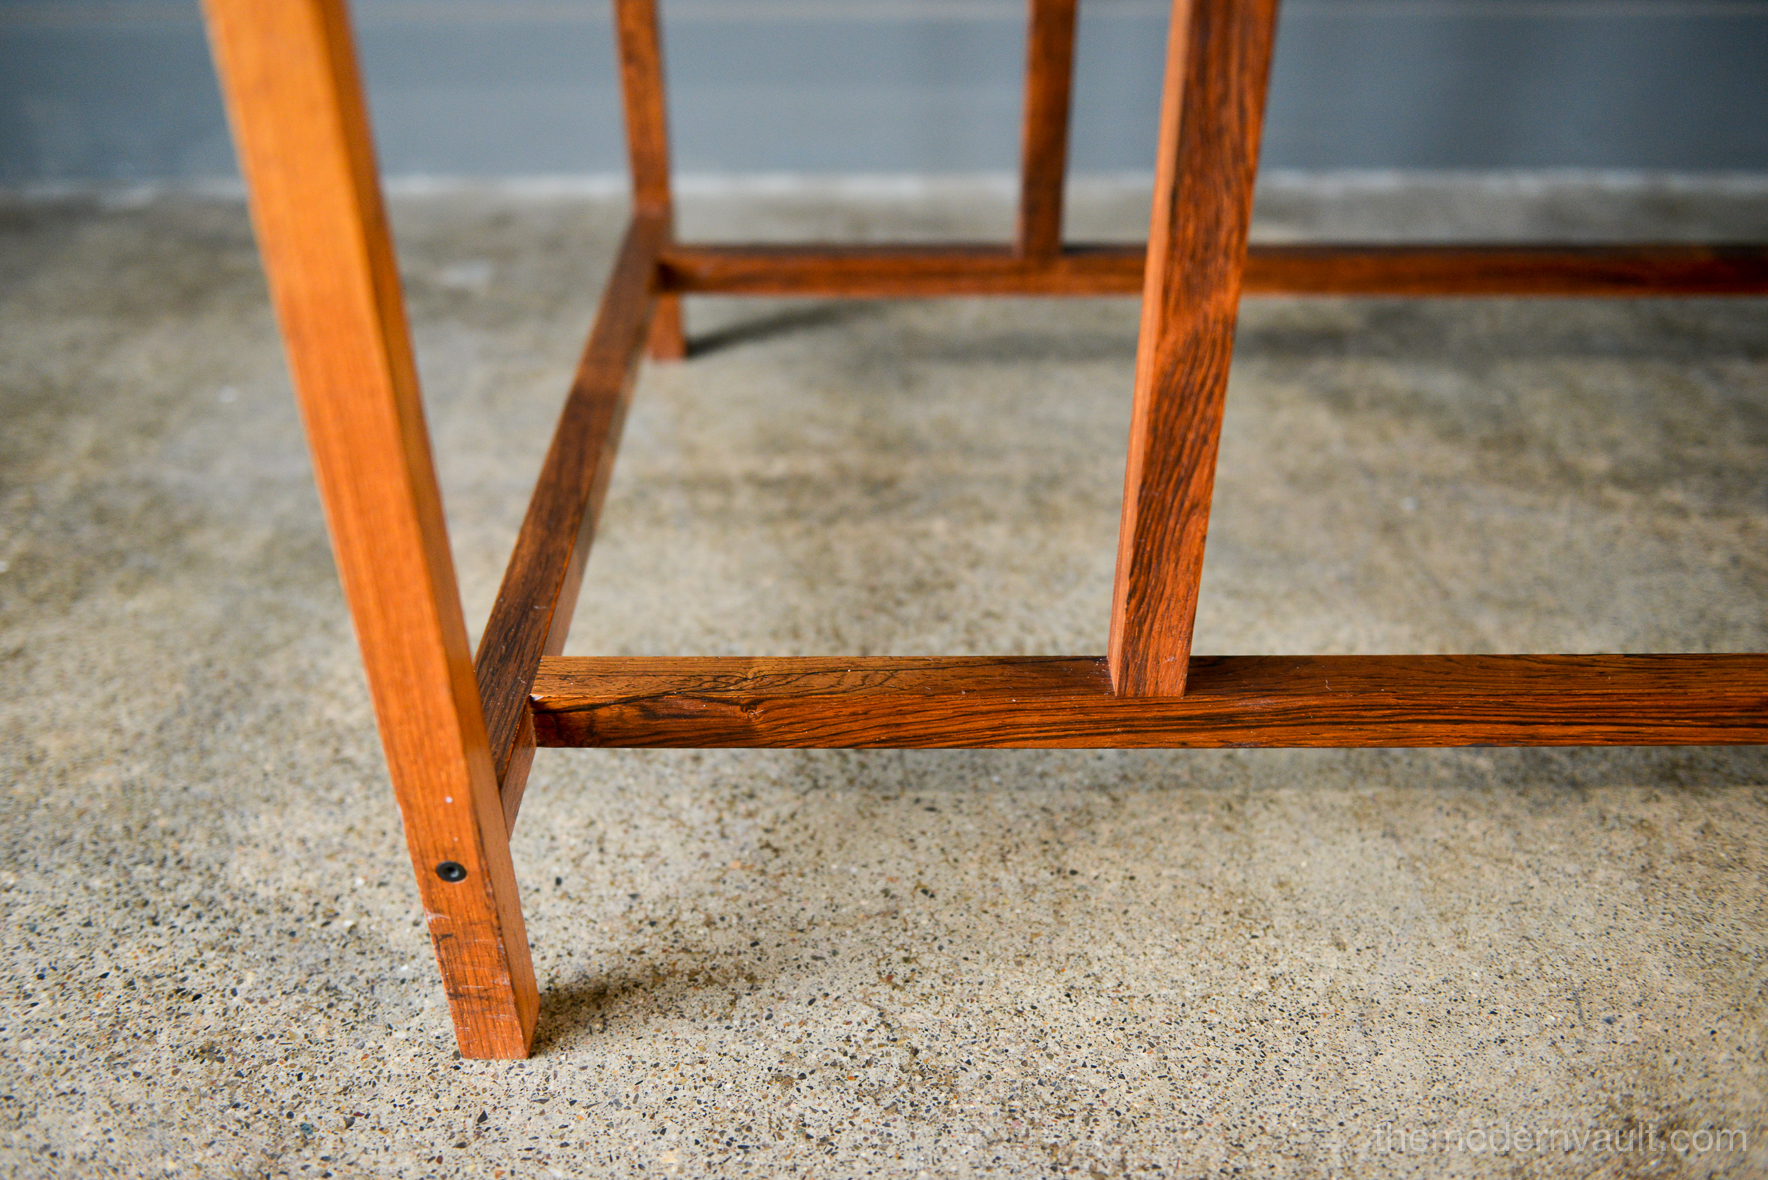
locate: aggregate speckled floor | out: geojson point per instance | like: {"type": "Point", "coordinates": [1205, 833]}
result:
{"type": "Point", "coordinates": [1388, 963]}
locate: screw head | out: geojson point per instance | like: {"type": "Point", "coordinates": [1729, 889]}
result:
{"type": "Point", "coordinates": [449, 870]}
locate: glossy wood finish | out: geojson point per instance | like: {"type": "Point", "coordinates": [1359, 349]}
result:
{"type": "Point", "coordinates": [1212, 112]}
{"type": "Point", "coordinates": [1037, 701]}
{"type": "Point", "coordinates": [918, 271]}
{"type": "Point", "coordinates": [290, 78]}
{"type": "Point", "coordinates": [1043, 153]}
{"type": "Point", "coordinates": [642, 88]}
{"type": "Point", "coordinates": [539, 593]}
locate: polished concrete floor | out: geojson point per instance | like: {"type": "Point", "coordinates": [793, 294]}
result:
{"type": "Point", "coordinates": [1480, 962]}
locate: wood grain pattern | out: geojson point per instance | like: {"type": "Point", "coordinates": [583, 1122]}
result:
{"type": "Point", "coordinates": [291, 83]}
{"type": "Point", "coordinates": [1212, 112]}
{"type": "Point", "coordinates": [642, 89]}
{"type": "Point", "coordinates": [898, 271]}
{"type": "Point", "coordinates": [912, 271]}
{"type": "Point", "coordinates": [1043, 154]}
{"type": "Point", "coordinates": [532, 614]}
{"type": "Point", "coordinates": [1038, 701]}
{"type": "Point", "coordinates": [1539, 269]}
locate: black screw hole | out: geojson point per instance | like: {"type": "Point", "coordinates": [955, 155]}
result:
{"type": "Point", "coordinates": [450, 871]}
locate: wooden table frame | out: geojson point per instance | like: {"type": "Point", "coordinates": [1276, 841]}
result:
{"type": "Point", "coordinates": [460, 733]}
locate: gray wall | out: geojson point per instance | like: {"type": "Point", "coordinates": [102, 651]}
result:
{"type": "Point", "coordinates": [122, 89]}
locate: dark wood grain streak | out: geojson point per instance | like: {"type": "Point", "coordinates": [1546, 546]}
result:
{"type": "Point", "coordinates": [533, 610]}
{"type": "Point", "coordinates": [906, 271]}
{"type": "Point", "coordinates": [1043, 155]}
{"type": "Point", "coordinates": [898, 271]}
{"type": "Point", "coordinates": [1036, 701]}
{"type": "Point", "coordinates": [1212, 113]}
{"type": "Point", "coordinates": [643, 90]}
{"type": "Point", "coordinates": [1542, 269]}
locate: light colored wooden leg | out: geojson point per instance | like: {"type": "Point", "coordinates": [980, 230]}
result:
{"type": "Point", "coordinates": [1218, 63]}
{"type": "Point", "coordinates": [293, 92]}
{"type": "Point", "coordinates": [647, 148]}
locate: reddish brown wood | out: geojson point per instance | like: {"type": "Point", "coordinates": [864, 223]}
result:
{"type": "Point", "coordinates": [1039, 701]}
{"type": "Point", "coordinates": [642, 87]}
{"type": "Point", "coordinates": [1043, 156]}
{"type": "Point", "coordinates": [1544, 269]}
{"type": "Point", "coordinates": [290, 78]}
{"type": "Point", "coordinates": [899, 271]}
{"type": "Point", "coordinates": [514, 783]}
{"type": "Point", "coordinates": [905, 271]}
{"type": "Point", "coordinates": [1218, 60]}
{"type": "Point", "coordinates": [667, 339]}
{"type": "Point", "coordinates": [533, 610]}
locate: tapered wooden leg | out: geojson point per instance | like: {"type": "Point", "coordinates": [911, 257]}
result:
{"type": "Point", "coordinates": [293, 92]}
{"type": "Point", "coordinates": [1043, 156]}
{"type": "Point", "coordinates": [1212, 111]}
{"type": "Point", "coordinates": [647, 148]}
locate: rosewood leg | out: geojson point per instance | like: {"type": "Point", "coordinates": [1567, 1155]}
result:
{"type": "Point", "coordinates": [1212, 111]}
{"type": "Point", "coordinates": [647, 146]}
{"type": "Point", "coordinates": [1043, 157]}
{"type": "Point", "coordinates": [289, 73]}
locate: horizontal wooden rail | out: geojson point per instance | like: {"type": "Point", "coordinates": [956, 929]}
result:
{"type": "Point", "coordinates": [894, 271]}
{"type": "Point", "coordinates": [539, 591]}
{"type": "Point", "coordinates": [1038, 701]}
